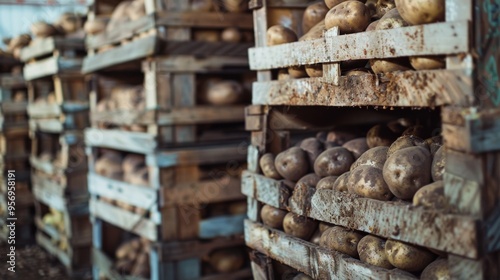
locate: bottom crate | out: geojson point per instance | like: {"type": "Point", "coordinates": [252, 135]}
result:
{"type": "Point", "coordinates": [118, 254]}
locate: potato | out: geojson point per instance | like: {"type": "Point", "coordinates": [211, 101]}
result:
{"type": "Point", "coordinates": [327, 183]}
{"type": "Point", "coordinates": [375, 157]}
{"type": "Point", "coordinates": [297, 72]}
{"type": "Point", "coordinates": [299, 226]}
{"type": "Point", "coordinates": [399, 126]}
{"type": "Point", "coordinates": [309, 180]}
{"type": "Point", "coordinates": [278, 34]}
{"type": "Point", "coordinates": [132, 162]}
{"type": "Point", "coordinates": [406, 141]}
{"type": "Point", "coordinates": [272, 217]}
{"type": "Point", "coordinates": [341, 239]}
{"type": "Point", "coordinates": [124, 250]}
{"type": "Point", "coordinates": [438, 163]}
{"type": "Point", "coordinates": [95, 26]}
{"type": "Point", "coordinates": [431, 196]}
{"type": "Point", "coordinates": [316, 32]}
{"type": "Point", "coordinates": [427, 62]}
{"type": "Point", "coordinates": [338, 138]}
{"type": "Point", "coordinates": [371, 250]}
{"type": "Point", "coordinates": [382, 7]}
{"type": "Point", "coordinates": [124, 266]}
{"type": "Point", "coordinates": [322, 227]}
{"type": "Point", "coordinates": [421, 11]}
{"type": "Point", "coordinates": [315, 237]}
{"type": "Point", "coordinates": [202, 5]}
{"type": "Point", "coordinates": [231, 35]}
{"type": "Point", "coordinates": [358, 72]}
{"type": "Point", "coordinates": [356, 146]}
{"type": "Point", "coordinates": [136, 10]}
{"type": "Point", "coordinates": [313, 14]}
{"type": "Point", "coordinates": [380, 66]}
{"type": "Point", "coordinates": [70, 22]}
{"type": "Point", "coordinates": [139, 177]}
{"type": "Point", "coordinates": [292, 164]}
{"type": "Point", "coordinates": [206, 35]}
{"type": "Point", "coordinates": [407, 170]}
{"type": "Point", "coordinates": [372, 26]}
{"type": "Point", "coordinates": [333, 162]}
{"type": "Point", "coordinates": [434, 144]}
{"type": "Point", "coordinates": [380, 135]}
{"type": "Point", "coordinates": [313, 147]}
{"type": "Point", "coordinates": [109, 165]}
{"type": "Point", "coordinates": [225, 93]}
{"type": "Point", "coordinates": [349, 16]}
{"type": "Point", "coordinates": [437, 270]}
{"type": "Point", "coordinates": [235, 6]}
{"type": "Point", "coordinates": [289, 184]}
{"type": "Point", "coordinates": [227, 260]}
{"type": "Point", "coordinates": [42, 29]}
{"type": "Point", "coordinates": [407, 257]}
{"type": "Point", "coordinates": [302, 276]}
{"type": "Point", "coordinates": [315, 70]}
{"type": "Point", "coordinates": [368, 181]}
{"type": "Point", "coordinates": [266, 164]}
{"type": "Point", "coordinates": [340, 183]}
{"type": "Point", "coordinates": [392, 19]}
{"type": "Point", "coordinates": [416, 130]}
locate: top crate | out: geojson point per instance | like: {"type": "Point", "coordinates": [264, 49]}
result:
{"type": "Point", "coordinates": [465, 79]}
{"type": "Point", "coordinates": [167, 28]}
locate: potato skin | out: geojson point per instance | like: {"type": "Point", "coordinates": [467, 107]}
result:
{"type": "Point", "coordinates": [380, 135]}
{"type": "Point", "coordinates": [315, 70]}
{"type": "Point", "coordinates": [313, 14]}
{"type": "Point", "coordinates": [266, 163]}
{"type": "Point", "coordinates": [342, 182]}
{"type": "Point", "coordinates": [431, 196]}
{"type": "Point", "coordinates": [421, 11]}
{"type": "Point", "coordinates": [327, 183]}
{"type": "Point", "coordinates": [358, 72]}
{"type": "Point", "coordinates": [387, 65]}
{"type": "Point", "coordinates": [371, 250]}
{"type": "Point", "coordinates": [375, 157]}
{"type": "Point", "coordinates": [299, 226]}
{"type": "Point", "coordinates": [272, 217]}
{"type": "Point", "coordinates": [427, 62]}
{"type": "Point", "coordinates": [437, 270]}
{"type": "Point", "coordinates": [357, 146]}
{"type": "Point", "coordinates": [333, 162]}
{"type": "Point", "coordinates": [405, 141]}
{"type": "Point", "coordinates": [349, 16]}
{"type": "Point", "coordinates": [313, 147]}
{"type": "Point", "coordinates": [278, 34]}
{"type": "Point", "coordinates": [341, 239]}
{"type": "Point", "coordinates": [392, 19]}
{"type": "Point", "coordinates": [438, 163]}
{"type": "Point", "coordinates": [309, 180]}
{"type": "Point", "coordinates": [297, 72]}
{"type": "Point", "coordinates": [407, 257]}
{"type": "Point", "coordinates": [407, 170]}
{"type": "Point", "coordinates": [292, 164]}
{"type": "Point", "coordinates": [368, 181]}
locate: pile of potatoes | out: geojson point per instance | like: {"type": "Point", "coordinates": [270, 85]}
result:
{"type": "Point", "coordinates": [225, 260]}
{"type": "Point", "coordinates": [132, 258]}
{"type": "Point", "coordinates": [224, 92]}
{"type": "Point", "coordinates": [14, 45]}
{"type": "Point", "coordinates": [55, 218]}
{"type": "Point", "coordinates": [68, 23]}
{"type": "Point", "coordinates": [130, 168]}
{"type": "Point", "coordinates": [395, 161]}
{"type": "Point", "coordinates": [353, 16]}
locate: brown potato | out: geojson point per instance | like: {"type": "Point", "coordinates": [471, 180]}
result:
{"type": "Point", "coordinates": [140, 177]}
{"type": "Point", "coordinates": [299, 226]}
{"type": "Point", "coordinates": [322, 227]}
{"type": "Point", "coordinates": [427, 62]}
{"type": "Point", "coordinates": [289, 184]}
{"type": "Point", "coordinates": [313, 14]}
{"type": "Point", "coordinates": [375, 157]}
{"type": "Point", "coordinates": [380, 135]}
{"type": "Point", "coordinates": [391, 20]}
{"type": "Point", "coordinates": [434, 144]}
{"type": "Point", "coordinates": [407, 170]}
{"type": "Point", "coordinates": [316, 237]}
{"type": "Point", "coordinates": [225, 93]}
{"type": "Point", "coordinates": [292, 164]}
{"type": "Point", "coordinates": [332, 3]}
{"type": "Point", "coordinates": [341, 183]}
{"type": "Point", "coordinates": [407, 257]}
{"type": "Point", "coordinates": [42, 29]}
{"type": "Point", "coordinates": [437, 270]}
{"type": "Point", "coordinates": [333, 162]}
{"type": "Point", "coordinates": [302, 276]}
{"type": "Point", "coordinates": [371, 250]}
{"type": "Point", "coordinates": [399, 126]}
{"type": "Point", "coordinates": [283, 75]}
{"type": "Point", "coordinates": [416, 130]}
{"type": "Point", "coordinates": [316, 32]}
{"type": "Point", "coordinates": [227, 260]}
{"type": "Point", "coordinates": [272, 217]}
{"type": "Point", "coordinates": [438, 163]}
{"type": "Point", "coordinates": [109, 165]}
{"type": "Point", "coordinates": [372, 26]}
{"type": "Point", "coordinates": [406, 141]}
{"type": "Point", "coordinates": [202, 5]}
{"type": "Point", "coordinates": [357, 146]}
{"type": "Point", "coordinates": [431, 196]}
{"type": "Point", "coordinates": [421, 11]}
{"type": "Point", "coordinates": [387, 65]}
{"type": "Point", "coordinates": [95, 26]}
{"type": "Point", "coordinates": [358, 72]}
{"type": "Point", "coordinates": [382, 7]}
{"type": "Point", "coordinates": [315, 70]}
{"type": "Point", "coordinates": [309, 180]}
{"type": "Point", "coordinates": [297, 72]}
{"type": "Point", "coordinates": [236, 6]}
{"type": "Point", "coordinates": [327, 183]}
{"type": "Point", "coordinates": [266, 163]}
{"type": "Point", "coordinates": [349, 16]}
{"type": "Point", "coordinates": [338, 138]}
{"type": "Point", "coordinates": [313, 147]}
{"type": "Point", "coordinates": [278, 34]}
{"type": "Point", "coordinates": [231, 35]}
{"type": "Point", "coordinates": [341, 239]}
{"type": "Point", "coordinates": [368, 181]}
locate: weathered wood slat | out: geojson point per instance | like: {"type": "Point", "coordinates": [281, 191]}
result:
{"type": "Point", "coordinates": [435, 229]}
{"type": "Point", "coordinates": [48, 125]}
{"type": "Point", "coordinates": [319, 263]}
{"type": "Point", "coordinates": [221, 226]}
{"type": "Point", "coordinates": [189, 63]}
{"type": "Point", "coordinates": [429, 39]}
{"type": "Point", "coordinates": [122, 140]}
{"type": "Point", "coordinates": [44, 110]}
{"type": "Point", "coordinates": [43, 46]}
{"type": "Point", "coordinates": [207, 155]}
{"type": "Point", "coordinates": [51, 66]}
{"type": "Point", "coordinates": [435, 88]}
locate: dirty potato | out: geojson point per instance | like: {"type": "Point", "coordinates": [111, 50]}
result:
{"type": "Point", "coordinates": [292, 164]}
{"type": "Point", "coordinates": [375, 157]}
{"type": "Point", "coordinates": [309, 180]}
{"type": "Point", "coordinates": [272, 217]}
{"type": "Point", "coordinates": [421, 11]}
{"type": "Point", "coordinates": [407, 257]}
{"type": "Point", "coordinates": [428, 62]}
{"type": "Point", "coordinates": [380, 135]}
{"type": "Point", "coordinates": [438, 163]}
{"type": "Point", "coordinates": [349, 16]}
{"type": "Point", "coordinates": [431, 196]}
{"type": "Point", "coordinates": [313, 14]}
{"type": "Point", "coordinates": [357, 146]}
{"type": "Point", "coordinates": [437, 270]}
{"type": "Point", "coordinates": [313, 147]}
{"type": "Point", "coordinates": [368, 181]}
{"type": "Point", "coordinates": [299, 226]}
{"type": "Point", "coordinates": [278, 34]}
{"type": "Point", "coordinates": [371, 250]}
{"type": "Point", "coordinates": [266, 164]}
{"type": "Point", "coordinates": [341, 239]}
{"type": "Point", "coordinates": [341, 183]}
{"type": "Point", "coordinates": [406, 141]}
{"type": "Point", "coordinates": [333, 162]}
{"type": "Point", "coordinates": [327, 183]}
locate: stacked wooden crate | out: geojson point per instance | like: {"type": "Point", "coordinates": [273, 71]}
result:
{"type": "Point", "coordinates": [164, 167]}
{"type": "Point", "coordinates": [15, 149]}
{"type": "Point", "coordinates": [466, 93]}
{"type": "Point", "coordinates": [58, 113]}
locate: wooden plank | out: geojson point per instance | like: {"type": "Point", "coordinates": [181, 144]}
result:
{"type": "Point", "coordinates": [43, 46]}
{"type": "Point", "coordinates": [435, 88]}
{"type": "Point", "coordinates": [317, 262]}
{"type": "Point", "coordinates": [176, 251]}
{"type": "Point", "coordinates": [140, 196]}
{"type": "Point", "coordinates": [204, 20]}
{"type": "Point", "coordinates": [125, 117]}
{"type": "Point", "coordinates": [429, 39]}
{"type": "Point", "coordinates": [197, 155]}
{"type": "Point", "coordinates": [189, 63]}
{"type": "Point", "coordinates": [121, 140]}
{"type": "Point", "coordinates": [48, 125]}
{"type": "Point", "coordinates": [125, 220]}
{"type": "Point", "coordinates": [44, 110]}
{"type": "Point", "coordinates": [262, 189]}
{"type": "Point", "coordinates": [221, 226]}
{"type": "Point", "coordinates": [13, 107]}
{"type": "Point", "coordinates": [51, 66]}
{"type": "Point", "coordinates": [451, 233]}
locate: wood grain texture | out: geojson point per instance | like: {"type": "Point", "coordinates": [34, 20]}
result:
{"type": "Point", "coordinates": [317, 262]}
{"type": "Point", "coordinates": [44, 46]}
{"type": "Point", "coordinates": [196, 155]}
{"type": "Point", "coordinates": [51, 66]}
{"type": "Point", "coordinates": [435, 229]}
{"type": "Point", "coordinates": [122, 140]}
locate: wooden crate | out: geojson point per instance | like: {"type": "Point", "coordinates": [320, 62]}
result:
{"type": "Point", "coordinates": [53, 55]}
{"type": "Point", "coordinates": [177, 260]}
{"type": "Point", "coordinates": [466, 96]}
{"type": "Point", "coordinates": [167, 29]}
{"type": "Point", "coordinates": [76, 257]}
{"type": "Point", "coordinates": [174, 114]}
{"type": "Point", "coordinates": [183, 185]}
{"type": "Point", "coordinates": [58, 103]}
